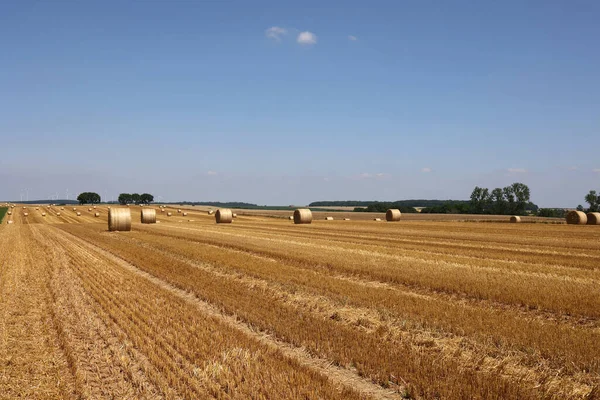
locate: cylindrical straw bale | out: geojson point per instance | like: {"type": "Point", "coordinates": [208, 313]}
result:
{"type": "Point", "coordinates": [148, 216]}
{"type": "Point", "coordinates": [302, 216]}
{"type": "Point", "coordinates": [179, 210]}
{"type": "Point", "coordinates": [78, 214]}
{"type": "Point", "coordinates": [346, 219]}
{"type": "Point", "coordinates": [9, 213]}
{"type": "Point", "coordinates": [184, 214]}
{"type": "Point", "coordinates": [58, 214]}
{"type": "Point", "coordinates": [328, 218]}
{"type": "Point", "coordinates": [515, 219]}
{"type": "Point", "coordinates": [119, 219]}
{"type": "Point", "coordinates": [89, 209]}
{"type": "Point", "coordinates": [393, 215]}
{"type": "Point", "coordinates": [291, 217]}
{"type": "Point", "coordinates": [9, 222]}
{"type": "Point", "coordinates": [169, 214]}
{"type": "Point", "coordinates": [25, 214]}
{"type": "Point", "coordinates": [96, 214]}
{"type": "Point", "coordinates": [234, 215]}
{"type": "Point", "coordinates": [576, 218]}
{"type": "Point", "coordinates": [74, 209]}
{"type": "Point", "coordinates": [210, 212]}
{"type": "Point", "coordinates": [593, 218]}
{"type": "Point", "coordinates": [223, 216]}
{"type": "Point", "coordinates": [376, 219]}
{"type": "Point", "coordinates": [62, 208]}
{"type": "Point", "coordinates": [37, 208]}
{"type": "Point", "coordinates": [43, 214]}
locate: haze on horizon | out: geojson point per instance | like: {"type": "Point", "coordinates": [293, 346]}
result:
{"type": "Point", "coordinates": [286, 103]}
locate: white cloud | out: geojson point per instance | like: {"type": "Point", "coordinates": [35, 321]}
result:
{"type": "Point", "coordinates": [352, 38]}
{"type": "Point", "coordinates": [517, 170]}
{"type": "Point", "coordinates": [597, 170]}
{"type": "Point", "coordinates": [426, 170]}
{"type": "Point", "coordinates": [573, 168]}
{"type": "Point", "coordinates": [275, 33]}
{"type": "Point", "coordinates": [211, 173]}
{"type": "Point", "coordinates": [364, 175]}
{"type": "Point", "coordinates": [380, 175]}
{"type": "Point", "coordinates": [307, 38]}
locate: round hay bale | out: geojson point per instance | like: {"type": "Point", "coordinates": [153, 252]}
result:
{"type": "Point", "coordinates": [184, 214]}
{"type": "Point", "coordinates": [62, 208]}
{"type": "Point", "coordinates": [108, 207]}
{"type": "Point", "coordinates": [94, 207]}
{"type": "Point", "coordinates": [89, 209]}
{"type": "Point", "coordinates": [58, 214]}
{"type": "Point", "coordinates": [393, 215]}
{"type": "Point", "coordinates": [328, 218]}
{"type": "Point", "coordinates": [9, 222]}
{"type": "Point", "coordinates": [376, 219]}
{"type": "Point", "coordinates": [74, 209]}
{"type": "Point", "coordinates": [223, 216]}
{"type": "Point", "coordinates": [346, 219]}
{"type": "Point", "coordinates": [96, 214]}
{"type": "Point", "coordinates": [37, 208]}
{"type": "Point", "coordinates": [593, 218]}
{"type": "Point", "coordinates": [25, 214]}
{"type": "Point", "coordinates": [169, 214]}
{"type": "Point", "coordinates": [9, 213]}
{"type": "Point", "coordinates": [119, 219]}
{"type": "Point", "coordinates": [302, 216]}
{"type": "Point", "coordinates": [210, 212]}
{"type": "Point", "coordinates": [576, 218]}
{"type": "Point", "coordinates": [291, 217]}
{"type": "Point", "coordinates": [515, 219]}
{"type": "Point", "coordinates": [43, 214]}
{"type": "Point", "coordinates": [162, 210]}
{"type": "Point", "coordinates": [234, 215]}
{"type": "Point", "coordinates": [78, 214]}
{"type": "Point", "coordinates": [148, 216]}
{"type": "Point", "coordinates": [179, 210]}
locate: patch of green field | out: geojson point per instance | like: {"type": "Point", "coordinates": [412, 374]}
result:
{"type": "Point", "coordinates": [3, 211]}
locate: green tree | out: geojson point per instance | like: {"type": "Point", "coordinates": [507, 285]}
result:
{"type": "Point", "coordinates": [146, 198]}
{"type": "Point", "coordinates": [480, 200]}
{"type": "Point", "coordinates": [125, 198]}
{"type": "Point", "coordinates": [593, 200]}
{"type": "Point", "coordinates": [521, 195]}
{"type": "Point", "coordinates": [135, 197]}
{"type": "Point", "coordinates": [88, 198]}
{"type": "Point", "coordinates": [498, 202]}
{"type": "Point", "coordinates": [580, 208]}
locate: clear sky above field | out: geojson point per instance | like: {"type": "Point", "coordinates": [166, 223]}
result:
{"type": "Point", "coordinates": [279, 102]}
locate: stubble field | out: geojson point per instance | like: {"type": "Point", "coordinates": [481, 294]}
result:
{"type": "Point", "coordinates": [262, 308]}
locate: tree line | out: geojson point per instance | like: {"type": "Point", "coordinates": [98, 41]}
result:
{"type": "Point", "coordinates": [135, 198]}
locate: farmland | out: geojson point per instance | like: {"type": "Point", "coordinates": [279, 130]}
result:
{"type": "Point", "coordinates": [428, 307]}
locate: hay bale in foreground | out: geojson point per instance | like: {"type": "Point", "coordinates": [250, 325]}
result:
{"type": "Point", "coordinates": [119, 219]}
{"type": "Point", "coordinates": [223, 216]}
{"type": "Point", "coordinates": [393, 215]}
{"type": "Point", "coordinates": [328, 218]}
{"type": "Point", "coordinates": [302, 216]}
{"type": "Point", "coordinates": [515, 219]}
{"type": "Point", "coordinates": [576, 218]}
{"type": "Point", "coordinates": [148, 216]}
{"type": "Point", "coordinates": [593, 218]}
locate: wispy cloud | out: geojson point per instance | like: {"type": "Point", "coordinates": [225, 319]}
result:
{"type": "Point", "coordinates": [596, 170]}
{"type": "Point", "coordinates": [307, 38]}
{"type": "Point", "coordinates": [517, 170]}
{"type": "Point", "coordinates": [212, 173]}
{"type": "Point", "coordinates": [426, 170]}
{"type": "Point", "coordinates": [573, 168]}
{"type": "Point", "coordinates": [275, 33]}
{"type": "Point", "coordinates": [352, 38]}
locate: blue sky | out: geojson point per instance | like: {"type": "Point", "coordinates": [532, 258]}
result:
{"type": "Point", "coordinates": [290, 102]}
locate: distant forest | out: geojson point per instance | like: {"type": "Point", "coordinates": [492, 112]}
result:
{"type": "Point", "coordinates": [399, 203]}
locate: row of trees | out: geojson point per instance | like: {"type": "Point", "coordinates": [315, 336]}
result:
{"type": "Point", "coordinates": [135, 198]}
{"type": "Point", "coordinates": [513, 200]}
{"type": "Point", "coordinates": [593, 199]}
{"type": "Point", "coordinates": [89, 198]}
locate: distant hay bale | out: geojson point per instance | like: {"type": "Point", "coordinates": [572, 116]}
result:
{"type": "Point", "coordinates": [9, 222]}
{"type": "Point", "coordinates": [184, 214]}
{"type": "Point", "coordinates": [515, 219]}
{"type": "Point", "coordinates": [291, 217]}
{"type": "Point", "coordinates": [169, 214]}
{"type": "Point", "coordinates": [593, 218]}
{"type": "Point", "coordinates": [223, 216]}
{"type": "Point", "coordinates": [346, 219]}
{"type": "Point", "coordinates": [576, 218]}
{"type": "Point", "coordinates": [25, 214]}
{"type": "Point", "coordinates": [9, 213]}
{"type": "Point", "coordinates": [58, 214]}
{"type": "Point", "coordinates": [62, 208]}
{"type": "Point", "coordinates": [234, 215]}
{"type": "Point", "coordinates": [162, 210]}
{"type": "Point", "coordinates": [328, 218]}
{"type": "Point", "coordinates": [119, 219]}
{"type": "Point", "coordinates": [148, 216]}
{"type": "Point", "coordinates": [89, 209]}
{"type": "Point", "coordinates": [190, 220]}
{"type": "Point", "coordinates": [108, 207]}
{"type": "Point", "coordinates": [393, 215]}
{"type": "Point", "coordinates": [179, 210]}
{"type": "Point", "coordinates": [94, 207]}
{"type": "Point", "coordinates": [37, 208]}
{"type": "Point", "coordinates": [96, 214]}
{"type": "Point", "coordinates": [74, 209]}
{"type": "Point", "coordinates": [210, 212]}
{"type": "Point", "coordinates": [376, 219]}
{"type": "Point", "coordinates": [78, 214]}
{"type": "Point", "coordinates": [43, 214]}
{"type": "Point", "coordinates": [302, 216]}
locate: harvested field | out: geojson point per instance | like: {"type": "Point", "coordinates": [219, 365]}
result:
{"type": "Point", "coordinates": [263, 308]}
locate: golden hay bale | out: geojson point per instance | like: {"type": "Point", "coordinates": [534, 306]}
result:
{"type": "Point", "coordinates": [234, 215]}
{"type": "Point", "coordinates": [148, 216]}
{"type": "Point", "coordinates": [78, 214]}
{"type": "Point", "coordinates": [291, 217]}
{"type": "Point", "coordinates": [190, 220]}
{"type": "Point", "coordinates": [9, 222]}
{"type": "Point", "coordinates": [169, 214]}
{"type": "Point", "coordinates": [37, 208]}
{"type": "Point", "coordinates": [376, 219]}
{"type": "Point", "coordinates": [58, 214]}
{"type": "Point", "coordinates": [223, 216]}
{"type": "Point", "coordinates": [302, 216]}
{"type": "Point", "coordinates": [184, 214]}
{"type": "Point", "coordinates": [119, 219]}
{"type": "Point", "coordinates": [62, 208]}
{"type": "Point", "coordinates": [108, 207]}
{"type": "Point", "coordinates": [346, 219]}
{"type": "Point", "coordinates": [328, 218]}
{"type": "Point", "coordinates": [515, 219]}
{"type": "Point", "coordinates": [593, 218]}
{"type": "Point", "coordinates": [74, 209]}
{"type": "Point", "coordinates": [43, 214]}
{"type": "Point", "coordinates": [576, 218]}
{"type": "Point", "coordinates": [9, 213]}
{"type": "Point", "coordinates": [89, 209]}
{"type": "Point", "coordinates": [393, 215]}
{"type": "Point", "coordinates": [210, 212]}
{"type": "Point", "coordinates": [24, 208]}
{"type": "Point", "coordinates": [25, 214]}
{"type": "Point", "coordinates": [179, 210]}
{"type": "Point", "coordinates": [96, 215]}
{"type": "Point", "coordinates": [94, 207]}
